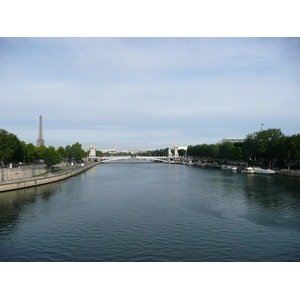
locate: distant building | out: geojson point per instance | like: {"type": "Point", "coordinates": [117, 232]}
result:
{"type": "Point", "coordinates": [232, 140]}
{"type": "Point", "coordinates": [109, 150]}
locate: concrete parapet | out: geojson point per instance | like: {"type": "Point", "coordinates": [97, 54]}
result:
{"type": "Point", "coordinates": [49, 178]}
{"type": "Point", "coordinates": [20, 172]}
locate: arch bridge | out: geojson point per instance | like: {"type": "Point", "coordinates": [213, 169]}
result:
{"type": "Point", "coordinates": [146, 158]}
{"type": "Point", "coordinates": [171, 157]}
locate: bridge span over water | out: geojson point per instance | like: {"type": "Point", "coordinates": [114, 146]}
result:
{"type": "Point", "coordinates": [145, 158]}
{"type": "Point", "coordinates": [170, 158]}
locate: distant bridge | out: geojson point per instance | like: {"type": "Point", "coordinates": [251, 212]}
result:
{"type": "Point", "coordinates": [171, 157]}
{"type": "Point", "coordinates": [147, 158]}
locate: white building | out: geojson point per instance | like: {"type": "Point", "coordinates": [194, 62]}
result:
{"type": "Point", "coordinates": [232, 140]}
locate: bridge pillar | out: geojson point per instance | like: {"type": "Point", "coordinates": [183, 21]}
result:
{"type": "Point", "coordinates": [92, 155]}
{"type": "Point", "coordinates": [176, 155]}
{"type": "Point", "coordinates": [169, 152]}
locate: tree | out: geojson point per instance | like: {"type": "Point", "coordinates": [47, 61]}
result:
{"type": "Point", "coordinates": [292, 147]}
{"type": "Point", "coordinates": [226, 150]}
{"type": "Point", "coordinates": [235, 153]}
{"type": "Point", "coordinates": [61, 150]}
{"type": "Point", "coordinates": [10, 147]}
{"type": "Point", "coordinates": [30, 152]}
{"type": "Point", "coordinates": [39, 151]}
{"type": "Point", "coordinates": [98, 153]}
{"type": "Point", "coordinates": [182, 152]}
{"type": "Point", "coordinates": [190, 150]}
{"type": "Point", "coordinates": [213, 151]}
{"type": "Point", "coordinates": [75, 151]}
{"type": "Point", "coordinates": [51, 157]}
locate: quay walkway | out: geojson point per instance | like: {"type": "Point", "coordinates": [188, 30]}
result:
{"type": "Point", "coordinates": [45, 179]}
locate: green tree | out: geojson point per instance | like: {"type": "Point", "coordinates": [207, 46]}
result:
{"type": "Point", "coordinates": [226, 150]}
{"type": "Point", "coordinates": [213, 151]}
{"type": "Point", "coordinates": [235, 153]}
{"type": "Point", "coordinates": [30, 152]}
{"type": "Point", "coordinates": [98, 153]}
{"type": "Point", "coordinates": [62, 151]}
{"type": "Point", "coordinates": [292, 147]}
{"type": "Point", "coordinates": [190, 150]}
{"type": "Point", "coordinates": [68, 152]}
{"type": "Point", "coordinates": [10, 147]}
{"type": "Point", "coordinates": [39, 151]}
{"type": "Point", "coordinates": [51, 157]}
{"type": "Point", "coordinates": [182, 152]}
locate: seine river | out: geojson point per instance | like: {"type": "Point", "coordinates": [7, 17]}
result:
{"type": "Point", "coordinates": [140, 211]}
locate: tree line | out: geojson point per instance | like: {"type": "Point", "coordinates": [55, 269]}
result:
{"type": "Point", "coordinates": [261, 147]}
{"type": "Point", "coordinates": [13, 150]}
{"type": "Point", "coordinates": [162, 152]}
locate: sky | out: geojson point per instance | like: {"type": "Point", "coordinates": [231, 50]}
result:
{"type": "Point", "coordinates": [146, 93]}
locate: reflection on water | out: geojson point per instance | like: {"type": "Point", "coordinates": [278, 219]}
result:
{"type": "Point", "coordinates": [14, 203]}
{"type": "Point", "coordinates": [153, 212]}
{"type": "Point", "coordinates": [273, 192]}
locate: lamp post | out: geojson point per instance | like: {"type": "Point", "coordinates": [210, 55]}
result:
{"type": "Point", "coordinates": [24, 156]}
{"type": "Point", "coordinates": [2, 179]}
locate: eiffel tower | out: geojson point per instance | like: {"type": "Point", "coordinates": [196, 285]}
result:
{"type": "Point", "coordinates": [40, 140]}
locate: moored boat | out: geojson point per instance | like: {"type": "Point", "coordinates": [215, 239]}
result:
{"type": "Point", "coordinates": [229, 168]}
{"type": "Point", "coordinates": [264, 171]}
{"type": "Point", "coordinates": [224, 167]}
{"type": "Point", "coordinates": [248, 170]}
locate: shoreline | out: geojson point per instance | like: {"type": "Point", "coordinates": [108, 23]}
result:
{"type": "Point", "coordinates": [16, 184]}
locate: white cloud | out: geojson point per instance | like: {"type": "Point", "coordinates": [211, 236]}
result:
{"type": "Point", "coordinates": [148, 91]}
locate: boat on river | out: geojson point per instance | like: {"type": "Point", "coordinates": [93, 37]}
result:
{"type": "Point", "coordinates": [229, 168]}
{"type": "Point", "coordinates": [248, 170]}
{"type": "Point", "coordinates": [264, 171]}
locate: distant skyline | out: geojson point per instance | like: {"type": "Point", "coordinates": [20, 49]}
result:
{"type": "Point", "coordinates": [147, 93]}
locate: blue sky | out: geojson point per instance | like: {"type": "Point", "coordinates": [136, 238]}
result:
{"type": "Point", "coordinates": [130, 93]}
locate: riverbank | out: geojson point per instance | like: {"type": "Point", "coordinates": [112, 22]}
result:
{"type": "Point", "coordinates": [45, 179]}
{"type": "Point", "coordinates": [292, 173]}
{"type": "Point", "coordinates": [280, 172]}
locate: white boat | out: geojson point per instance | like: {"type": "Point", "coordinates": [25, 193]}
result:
{"type": "Point", "coordinates": [264, 171]}
{"type": "Point", "coordinates": [223, 167]}
{"type": "Point", "coordinates": [229, 168]}
{"type": "Point", "coordinates": [248, 170]}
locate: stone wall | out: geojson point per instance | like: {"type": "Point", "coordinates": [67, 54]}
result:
{"type": "Point", "coordinates": [20, 172]}
{"type": "Point", "coordinates": [45, 179]}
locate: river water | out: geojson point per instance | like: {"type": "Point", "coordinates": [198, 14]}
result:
{"type": "Point", "coordinates": [142, 211]}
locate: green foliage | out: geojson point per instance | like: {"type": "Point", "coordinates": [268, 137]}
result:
{"type": "Point", "coordinates": [204, 150]}
{"type": "Point", "coordinates": [292, 147]}
{"type": "Point", "coordinates": [10, 147]}
{"type": "Point", "coordinates": [61, 150]}
{"type": "Point", "coordinates": [39, 151]}
{"type": "Point", "coordinates": [182, 152]}
{"type": "Point", "coordinates": [98, 153]}
{"type": "Point", "coordinates": [264, 144]}
{"type": "Point", "coordinates": [51, 157]}
{"type": "Point", "coordinates": [74, 152]}
{"type": "Point", "coordinates": [161, 152]}
{"type": "Point", "coordinates": [30, 152]}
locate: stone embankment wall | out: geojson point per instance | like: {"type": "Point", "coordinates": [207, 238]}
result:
{"type": "Point", "coordinates": [49, 178]}
{"type": "Point", "coordinates": [293, 173]}
{"type": "Point", "coordinates": [21, 172]}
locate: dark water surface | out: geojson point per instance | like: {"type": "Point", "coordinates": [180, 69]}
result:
{"type": "Point", "coordinates": [133, 211]}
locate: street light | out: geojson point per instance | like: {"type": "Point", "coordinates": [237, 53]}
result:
{"type": "Point", "coordinates": [24, 156]}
